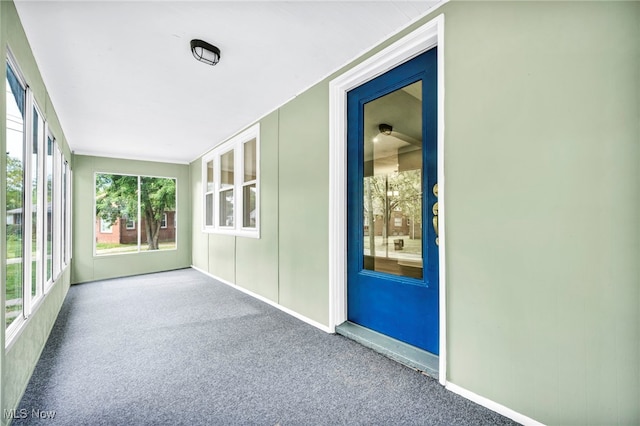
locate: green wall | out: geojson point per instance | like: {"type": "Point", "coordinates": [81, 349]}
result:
{"type": "Point", "coordinates": [288, 264]}
{"type": "Point", "coordinates": [542, 148]}
{"type": "Point", "coordinates": [542, 144]}
{"type": "Point", "coordinates": [19, 359]}
{"type": "Point", "coordinates": [86, 266]}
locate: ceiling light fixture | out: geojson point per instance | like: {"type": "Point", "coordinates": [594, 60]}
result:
{"type": "Point", "coordinates": [205, 52]}
{"type": "Point", "coordinates": [385, 128]}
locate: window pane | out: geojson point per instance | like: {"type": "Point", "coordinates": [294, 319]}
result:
{"type": "Point", "coordinates": [15, 198]}
{"type": "Point", "coordinates": [226, 170]}
{"type": "Point", "coordinates": [48, 220]}
{"type": "Point", "coordinates": [65, 176]}
{"type": "Point", "coordinates": [249, 205]}
{"type": "Point", "coordinates": [36, 202]}
{"type": "Point", "coordinates": [250, 169]}
{"type": "Point", "coordinates": [210, 176]}
{"type": "Point", "coordinates": [209, 210]}
{"type": "Point", "coordinates": [157, 210]}
{"type": "Point", "coordinates": [116, 198]}
{"type": "Point", "coordinates": [226, 207]}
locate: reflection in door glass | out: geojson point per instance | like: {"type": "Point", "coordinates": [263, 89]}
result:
{"type": "Point", "coordinates": [393, 183]}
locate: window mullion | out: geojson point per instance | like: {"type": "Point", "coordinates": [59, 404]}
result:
{"type": "Point", "coordinates": [237, 184]}
{"type": "Point", "coordinates": [41, 207]}
{"type": "Point", "coordinates": [140, 214]}
{"type": "Point", "coordinates": [217, 175]}
{"type": "Point", "coordinates": [27, 203]}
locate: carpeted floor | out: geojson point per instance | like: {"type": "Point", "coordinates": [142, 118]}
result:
{"type": "Point", "coordinates": [181, 348]}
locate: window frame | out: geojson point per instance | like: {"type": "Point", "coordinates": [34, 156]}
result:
{"type": "Point", "coordinates": [133, 224]}
{"type": "Point", "coordinates": [103, 228]}
{"type": "Point", "coordinates": [139, 218]}
{"type": "Point", "coordinates": [237, 145]}
{"type": "Point", "coordinates": [12, 330]}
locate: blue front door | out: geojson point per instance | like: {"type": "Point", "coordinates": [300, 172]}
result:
{"type": "Point", "coordinates": [392, 205]}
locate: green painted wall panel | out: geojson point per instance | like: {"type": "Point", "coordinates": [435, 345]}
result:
{"type": "Point", "coordinates": [200, 244]}
{"type": "Point", "coordinates": [82, 265]}
{"type": "Point", "coordinates": [542, 146]}
{"type": "Point", "coordinates": [304, 197]}
{"type": "Point", "coordinates": [222, 256]}
{"type": "Point", "coordinates": [23, 355]}
{"type": "Point", "coordinates": [257, 259]}
{"type": "Point", "coordinates": [86, 266]}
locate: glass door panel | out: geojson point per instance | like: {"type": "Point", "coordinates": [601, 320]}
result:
{"type": "Point", "coordinates": [392, 189]}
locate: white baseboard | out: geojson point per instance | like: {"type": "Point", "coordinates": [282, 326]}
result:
{"type": "Point", "coordinates": [481, 400]}
{"type": "Point", "coordinates": [492, 405]}
{"type": "Point", "coordinates": [295, 314]}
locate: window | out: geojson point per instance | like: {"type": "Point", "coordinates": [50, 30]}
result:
{"type": "Point", "coordinates": [231, 176]}
{"type": "Point", "coordinates": [37, 204]}
{"type": "Point", "coordinates": [15, 185]}
{"type": "Point", "coordinates": [49, 221]}
{"type": "Point", "coordinates": [148, 201]}
{"type": "Point", "coordinates": [105, 227]}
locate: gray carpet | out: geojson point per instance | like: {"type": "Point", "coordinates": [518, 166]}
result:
{"type": "Point", "coordinates": [181, 348]}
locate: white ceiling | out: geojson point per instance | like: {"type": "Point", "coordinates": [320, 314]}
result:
{"type": "Point", "coordinates": [124, 83]}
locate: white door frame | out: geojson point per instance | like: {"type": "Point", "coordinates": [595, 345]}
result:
{"type": "Point", "coordinates": [418, 41]}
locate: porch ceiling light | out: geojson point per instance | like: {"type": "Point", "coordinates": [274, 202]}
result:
{"type": "Point", "coordinates": [385, 128]}
{"type": "Point", "coordinates": [205, 52]}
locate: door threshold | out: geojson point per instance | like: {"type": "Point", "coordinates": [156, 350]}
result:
{"type": "Point", "coordinates": [405, 354]}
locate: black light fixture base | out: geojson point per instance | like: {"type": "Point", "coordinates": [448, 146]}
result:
{"type": "Point", "coordinates": [205, 52]}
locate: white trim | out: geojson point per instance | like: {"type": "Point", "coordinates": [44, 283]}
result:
{"type": "Point", "coordinates": [442, 357]}
{"type": "Point", "coordinates": [138, 216]}
{"type": "Point", "coordinates": [492, 405]}
{"type": "Point", "coordinates": [268, 301]}
{"type": "Point", "coordinates": [49, 222]}
{"type": "Point", "coordinates": [422, 39]}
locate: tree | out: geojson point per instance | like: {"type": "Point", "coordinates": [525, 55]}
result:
{"type": "Point", "coordinates": [117, 198]}
{"type": "Point", "coordinates": [395, 191]}
{"type": "Point", "coordinates": [15, 182]}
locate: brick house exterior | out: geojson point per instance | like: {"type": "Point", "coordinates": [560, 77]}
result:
{"type": "Point", "coordinates": [120, 233]}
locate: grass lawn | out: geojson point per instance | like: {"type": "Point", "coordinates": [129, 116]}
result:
{"type": "Point", "coordinates": [14, 248]}
{"type": "Point", "coordinates": [110, 248]}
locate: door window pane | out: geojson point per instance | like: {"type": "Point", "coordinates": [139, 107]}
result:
{"type": "Point", "coordinates": [392, 183]}
{"type": "Point", "coordinates": [15, 95]}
